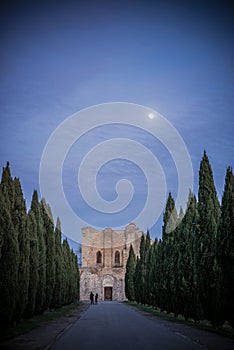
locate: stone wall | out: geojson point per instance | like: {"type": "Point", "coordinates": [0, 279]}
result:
{"type": "Point", "coordinates": [95, 276]}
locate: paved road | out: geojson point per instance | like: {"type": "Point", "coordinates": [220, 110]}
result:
{"type": "Point", "coordinates": [115, 326]}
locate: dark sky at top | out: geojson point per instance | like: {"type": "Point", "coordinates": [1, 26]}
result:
{"type": "Point", "coordinates": [58, 57]}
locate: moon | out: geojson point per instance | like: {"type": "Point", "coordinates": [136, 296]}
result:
{"type": "Point", "coordinates": [151, 115]}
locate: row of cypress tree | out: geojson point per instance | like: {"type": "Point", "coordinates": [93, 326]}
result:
{"type": "Point", "coordinates": [37, 270]}
{"type": "Point", "coordinates": [190, 271]}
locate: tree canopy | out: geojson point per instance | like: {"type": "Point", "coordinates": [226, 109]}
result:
{"type": "Point", "coordinates": [37, 270]}
{"type": "Point", "coordinates": [190, 271]}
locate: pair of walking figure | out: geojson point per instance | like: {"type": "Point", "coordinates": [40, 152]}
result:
{"type": "Point", "coordinates": [92, 298]}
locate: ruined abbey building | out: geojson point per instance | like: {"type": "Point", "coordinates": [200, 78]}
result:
{"type": "Point", "coordinates": [104, 258]}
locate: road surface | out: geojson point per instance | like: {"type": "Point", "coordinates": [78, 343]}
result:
{"type": "Point", "coordinates": [116, 326]}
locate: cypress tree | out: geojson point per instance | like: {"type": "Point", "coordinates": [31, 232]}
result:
{"type": "Point", "coordinates": [29, 257]}
{"type": "Point", "coordinates": [19, 217]}
{"type": "Point", "coordinates": [71, 290]}
{"type": "Point", "coordinates": [9, 263]}
{"type": "Point", "coordinates": [71, 276]}
{"type": "Point", "coordinates": [174, 256]}
{"type": "Point", "coordinates": [66, 268]}
{"type": "Point", "coordinates": [57, 297]}
{"type": "Point", "coordinates": [145, 297]}
{"type": "Point", "coordinates": [41, 286]}
{"type": "Point", "coordinates": [209, 214]}
{"type": "Point", "coordinates": [142, 247]}
{"type": "Point", "coordinates": [64, 274]}
{"type": "Point", "coordinates": [181, 215]}
{"type": "Point", "coordinates": [74, 276]}
{"type": "Point", "coordinates": [170, 220]}
{"type": "Point", "coordinates": [9, 251]}
{"type": "Point", "coordinates": [77, 276]}
{"type": "Point", "coordinates": [158, 275]}
{"type": "Point", "coordinates": [138, 281]}
{"type": "Point", "coordinates": [49, 236]}
{"type": "Point", "coordinates": [141, 272]}
{"type": "Point", "coordinates": [189, 304]}
{"type": "Point", "coordinates": [225, 252]}
{"type": "Point", "coordinates": [33, 264]}
{"type": "Point", "coordinates": [7, 188]}
{"type": "Point", "coordinates": [129, 275]}
{"type": "Point", "coordinates": [151, 275]}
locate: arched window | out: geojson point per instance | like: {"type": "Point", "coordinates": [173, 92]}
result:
{"type": "Point", "coordinates": [99, 257]}
{"type": "Point", "coordinates": [117, 257]}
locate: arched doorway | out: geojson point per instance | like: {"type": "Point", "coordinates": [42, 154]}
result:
{"type": "Point", "coordinates": [108, 293]}
{"type": "Point", "coordinates": [108, 284]}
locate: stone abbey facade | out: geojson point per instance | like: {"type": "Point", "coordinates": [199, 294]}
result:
{"type": "Point", "coordinates": [104, 258]}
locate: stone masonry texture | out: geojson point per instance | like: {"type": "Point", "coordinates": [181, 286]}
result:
{"type": "Point", "coordinates": [104, 258]}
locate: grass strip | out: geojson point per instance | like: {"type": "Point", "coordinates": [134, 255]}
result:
{"type": "Point", "coordinates": [27, 325]}
{"type": "Point", "coordinates": [226, 330]}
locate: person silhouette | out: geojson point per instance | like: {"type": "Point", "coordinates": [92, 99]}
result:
{"type": "Point", "coordinates": [96, 298]}
{"type": "Point", "coordinates": [91, 297]}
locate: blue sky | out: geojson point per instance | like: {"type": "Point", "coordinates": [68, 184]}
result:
{"type": "Point", "coordinates": [176, 57]}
